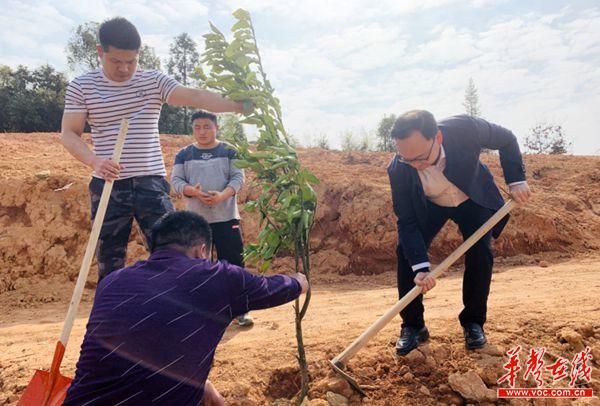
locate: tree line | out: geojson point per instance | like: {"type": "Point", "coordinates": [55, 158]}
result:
{"type": "Point", "coordinates": [33, 100]}
{"type": "Point", "coordinates": [544, 137]}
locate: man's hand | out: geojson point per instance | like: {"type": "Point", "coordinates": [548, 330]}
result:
{"type": "Point", "coordinates": [204, 198]}
{"type": "Point", "coordinates": [301, 278]}
{"type": "Point", "coordinates": [213, 197]}
{"type": "Point", "coordinates": [425, 281]}
{"type": "Point", "coordinates": [192, 191]}
{"type": "Point", "coordinates": [212, 397]}
{"type": "Point", "coordinates": [106, 168]}
{"type": "Point", "coordinates": [520, 192]}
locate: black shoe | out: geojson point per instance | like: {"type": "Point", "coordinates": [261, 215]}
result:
{"type": "Point", "coordinates": [474, 336]}
{"type": "Point", "coordinates": [410, 338]}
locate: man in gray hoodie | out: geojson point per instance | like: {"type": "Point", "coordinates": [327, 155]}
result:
{"type": "Point", "coordinates": [204, 172]}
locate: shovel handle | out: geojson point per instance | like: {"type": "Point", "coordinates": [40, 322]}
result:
{"type": "Point", "coordinates": [93, 241]}
{"type": "Point", "coordinates": [416, 291]}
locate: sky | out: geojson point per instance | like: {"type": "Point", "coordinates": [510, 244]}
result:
{"type": "Point", "coordinates": [340, 66]}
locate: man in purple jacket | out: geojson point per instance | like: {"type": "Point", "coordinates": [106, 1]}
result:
{"type": "Point", "coordinates": [154, 326]}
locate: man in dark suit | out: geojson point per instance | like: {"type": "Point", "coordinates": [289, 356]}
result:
{"type": "Point", "coordinates": [435, 176]}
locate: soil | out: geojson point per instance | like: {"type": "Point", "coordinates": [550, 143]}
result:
{"type": "Point", "coordinates": [545, 290]}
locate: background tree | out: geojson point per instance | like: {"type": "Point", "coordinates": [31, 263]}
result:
{"type": "Point", "coordinates": [322, 141]}
{"type": "Point", "coordinates": [182, 64]}
{"type": "Point", "coordinates": [365, 143]}
{"type": "Point", "coordinates": [384, 134]}
{"type": "Point", "coordinates": [348, 143]}
{"type": "Point", "coordinates": [547, 139]}
{"type": "Point", "coordinates": [31, 101]}
{"type": "Point", "coordinates": [147, 58]}
{"type": "Point", "coordinates": [231, 130]}
{"type": "Point", "coordinates": [471, 102]}
{"type": "Point", "coordinates": [82, 55]}
{"type": "Point", "coordinates": [172, 120]}
{"type": "Point", "coordinates": [472, 106]}
{"type": "Point", "coordinates": [81, 48]}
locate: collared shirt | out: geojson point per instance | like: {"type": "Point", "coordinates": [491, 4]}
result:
{"type": "Point", "coordinates": [154, 328]}
{"type": "Point", "coordinates": [437, 187]}
{"type": "Point", "coordinates": [441, 191]}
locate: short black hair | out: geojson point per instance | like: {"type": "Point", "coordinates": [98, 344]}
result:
{"type": "Point", "coordinates": [180, 230]}
{"type": "Point", "coordinates": [204, 114]}
{"type": "Point", "coordinates": [415, 120]}
{"type": "Point", "coordinates": [119, 33]}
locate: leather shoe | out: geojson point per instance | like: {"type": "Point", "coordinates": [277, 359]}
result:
{"type": "Point", "coordinates": [410, 338]}
{"type": "Point", "coordinates": [474, 336]}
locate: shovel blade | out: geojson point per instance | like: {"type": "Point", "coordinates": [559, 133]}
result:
{"type": "Point", "coordinates": [338, 368]}
{"type": "Point", "coordinates": [41, 391]}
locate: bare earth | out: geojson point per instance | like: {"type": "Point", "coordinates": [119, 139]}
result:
{"type": "Point", "coordinates": [545, 289]}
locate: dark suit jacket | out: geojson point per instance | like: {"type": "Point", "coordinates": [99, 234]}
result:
{"type": "Point", "coordinates": [463, 139]}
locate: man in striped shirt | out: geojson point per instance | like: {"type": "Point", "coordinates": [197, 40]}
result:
{"type": "Point", "coordinates": [102, 98]}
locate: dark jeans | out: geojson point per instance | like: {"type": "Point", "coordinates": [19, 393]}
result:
{"type": "Point", "coordinates": [145, 198]}
{"type": "Point", "coordinates": [227, 240]}
{"type": "Point", "coordinates": [479, 261]}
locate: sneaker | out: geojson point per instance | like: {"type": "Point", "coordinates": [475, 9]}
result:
{"type": "Point", "coordinates": [244, 320]}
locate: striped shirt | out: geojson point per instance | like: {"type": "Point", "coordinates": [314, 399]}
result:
{"type": "Point", "coordinates": [106, 102]}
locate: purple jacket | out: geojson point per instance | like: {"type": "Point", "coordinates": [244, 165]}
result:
{"type": "Point", "coordinates": [154, 328]}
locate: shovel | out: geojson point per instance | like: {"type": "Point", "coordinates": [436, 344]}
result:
{"type": "Point", "coordinates": [49, 388]}
{"type": "Point", "coordinates": [338, 362]}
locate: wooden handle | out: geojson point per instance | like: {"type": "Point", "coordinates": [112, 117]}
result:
{"type": "Point", "coordinates": [416, 291]}
{"type": "Point", "coordinates": [93, 241]}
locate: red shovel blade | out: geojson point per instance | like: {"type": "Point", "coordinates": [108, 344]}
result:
{"type": "Point", "coordinates": [47, 388]}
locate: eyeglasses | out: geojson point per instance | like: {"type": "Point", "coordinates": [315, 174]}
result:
{"type": "Point", "coordinates": [416, 160]}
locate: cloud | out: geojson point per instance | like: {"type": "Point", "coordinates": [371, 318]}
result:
{"type": "Point", "coordinates": [341, 65]}
{"type": "Point", "coordinates": [161, 13]}
{"type": "Point", "coordinates": [28, 31]}
{"type": "Point", "coordinates": [331, 12]}
{"type": "Point", "coordinates": [451, 47]}
{"type": "Point", "coordinates": [96, 10]}
{"type": "Point", "coordinates": [527, 68]}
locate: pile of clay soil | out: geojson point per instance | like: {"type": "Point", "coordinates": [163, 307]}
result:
{"type": "Point", "coordinates": [44, 211]}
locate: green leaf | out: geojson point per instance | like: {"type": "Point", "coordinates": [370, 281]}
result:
{"type": "Point", "coordinates": [242, 164]}
{"type": "Point", "coordinates": [306, 220]}
{"type": "Point", "coordinates": [265, 265]}
{"type": "Point", "coordinates": [231, 50]}
{"type": "Point", "coordinates": [310, 177]}
{"type": "Point", "coordinates": [252, 120]}
{"type": "Point", "coordinates": [241, 14]}
{"type": "Point", "coordinates": [243, 61]}
{"type": "Point", "coordinates": [215, 30]}
{"type": "Point", "coordinates": [240, 25]}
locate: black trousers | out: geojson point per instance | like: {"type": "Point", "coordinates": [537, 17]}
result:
{"type": "Point", "coordinates": [479, 261]}
{"type": "Point", "coordinates": [145, 198]}
{"type": "Point", "coordinates": [227, 240]}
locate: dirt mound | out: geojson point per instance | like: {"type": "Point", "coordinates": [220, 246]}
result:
{"type": "Point", "coordinates": [44, 211]}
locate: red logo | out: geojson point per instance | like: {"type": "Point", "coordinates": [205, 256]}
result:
{"type": "Point", "coordinates": [580, 371]}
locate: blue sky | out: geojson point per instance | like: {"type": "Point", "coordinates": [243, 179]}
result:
{"type": "Point", "coordinates": [339, 66]}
